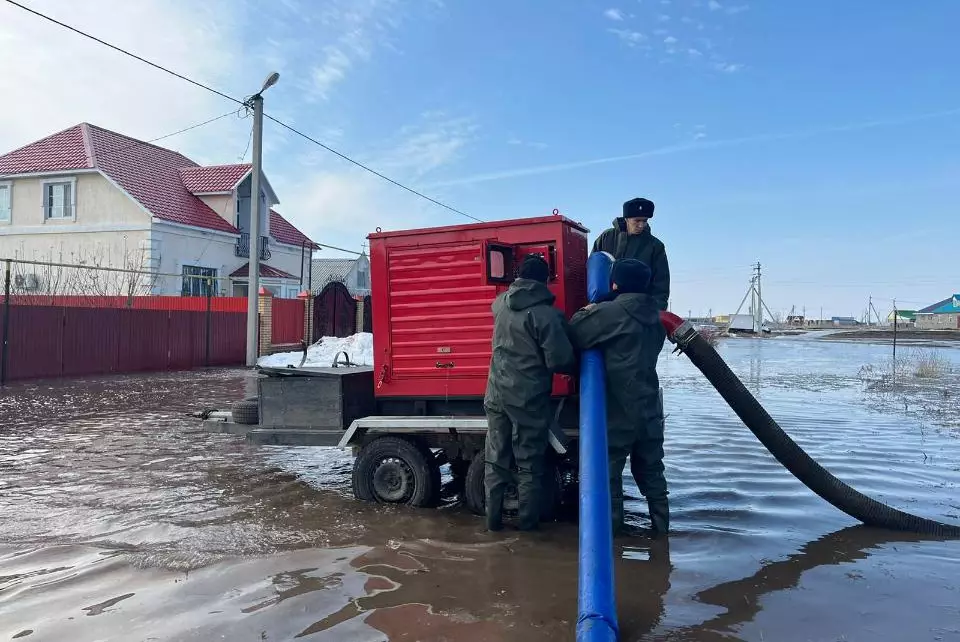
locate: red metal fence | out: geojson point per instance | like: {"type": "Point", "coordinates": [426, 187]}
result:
{"type": "Point", "coordinates": [186, 303]}
{"type": "Point", "coordinates": [57, 336]}
{"type": "Point", "coordinates": [287, 321]}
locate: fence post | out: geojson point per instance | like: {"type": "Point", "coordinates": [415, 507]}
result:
{"type": "Point", "coordinates": [6, 322]}
{"type": "Point", "coordinates": [209, 306]}
{"type": "Point", "coordinates": [359, 327]}
{"type": "Point", "coordinates": [266, 321]}
{"type": "Point", "coordinates": [307, 298]}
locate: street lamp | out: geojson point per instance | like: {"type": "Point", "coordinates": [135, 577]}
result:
{"type": "Point", "coordinates": [253, 280]}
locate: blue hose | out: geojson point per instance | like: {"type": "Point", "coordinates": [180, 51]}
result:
{"type": "Point", "coordinates": [597, 617]}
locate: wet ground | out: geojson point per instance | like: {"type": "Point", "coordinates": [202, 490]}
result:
{"type": "Point", "coordinates": [121, 520]}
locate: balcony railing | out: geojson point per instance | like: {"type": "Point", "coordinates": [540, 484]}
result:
{"type": "Point", "coordinates": [243, 247]}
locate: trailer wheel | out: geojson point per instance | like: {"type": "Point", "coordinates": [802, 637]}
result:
{"type": "Point", "coordinates": [475, 496]}
{"type": "Point", "coordinates": [393, 470]}
{"type": "Point", "coordinates": [246, 412]}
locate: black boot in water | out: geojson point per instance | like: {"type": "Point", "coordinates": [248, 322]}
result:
{"type": "Point", "coordinates": [659, 516]}
{"type": "Point", "coordinates": [495, 509]}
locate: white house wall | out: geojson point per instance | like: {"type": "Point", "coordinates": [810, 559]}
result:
{"type": "Point", "coordinates": [223, 204]}
{"type": "Point", "coordinates": [287, 258]}
{"type": "Point", "coordinates": [176, 246]}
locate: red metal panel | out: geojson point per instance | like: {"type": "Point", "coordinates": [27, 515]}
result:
{"type": "Point", "coordinates": [144, 341]}
{"type": "Point", "coordinates": [228, 339]}
{"type": "Point", "coordinates": [90, 339]}
{"type": "Point", "coordinates": [431, 301]}
{"type": "Point", "coordinates": [181, 328]}
{"type": "Point", "coordinates": [286, 321]}
{"type": "Point", "coordinates": [35, 342]}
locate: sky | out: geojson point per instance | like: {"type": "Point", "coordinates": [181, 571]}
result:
{"type": "Point", "coordinates": [821, 139]}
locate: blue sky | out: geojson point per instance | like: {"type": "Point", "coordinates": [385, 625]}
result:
{"type": "Point", "coordinates": [819, 138]}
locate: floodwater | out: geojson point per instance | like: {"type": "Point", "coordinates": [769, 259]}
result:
{"type": "Point", "coordinates": [120, 519]}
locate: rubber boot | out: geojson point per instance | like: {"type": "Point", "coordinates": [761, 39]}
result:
{"type": "Point", "coordinates": [529, 517]}
{"type": "Point", "coordinates": [495, 509]}
{"type": "Point", "coordinates": [617, 515]}
{"type": "Point", "coordinates": [659, 516]}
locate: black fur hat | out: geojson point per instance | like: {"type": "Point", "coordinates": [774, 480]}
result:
{"type": "Point", "coordinates": [638, 207]}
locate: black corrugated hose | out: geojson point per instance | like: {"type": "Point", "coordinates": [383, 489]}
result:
{"type": "Point", "coordinates": [813, 475]}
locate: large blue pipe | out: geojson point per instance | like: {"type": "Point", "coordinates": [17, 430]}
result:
{"type": "Point", "coordinates": [597, 617]}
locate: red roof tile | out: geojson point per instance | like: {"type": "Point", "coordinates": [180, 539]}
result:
{"type": "Point", "coordinates": [61, 151]}
{"type": "Point", "coordinates": [284, 232]}
{"type": "Point", "coordinates": [265, 271]}
{"type": "Point", "coordinates": [214, 178]}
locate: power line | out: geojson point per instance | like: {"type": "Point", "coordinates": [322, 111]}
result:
{"type": "Point", "coordinates": [371, 170]}
{"type": "Point", "coordinates": [339, 249]}
{"type": "Point", "coordinates": [242, 103]}
{"type": "Point", "coordinates": [124, 51]}
{"type": "Point", "coordinates": [170, 135]}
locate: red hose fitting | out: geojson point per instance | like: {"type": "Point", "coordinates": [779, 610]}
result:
{"type": "Point", "coordinates": [671, 322]}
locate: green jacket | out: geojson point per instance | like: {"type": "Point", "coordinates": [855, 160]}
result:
{"type": "Point", "coordinates": [628, 332]}
{"type": "Point", "coordinates": [644, 247]}
{"type": "Point", "coordinates": [530, 344]}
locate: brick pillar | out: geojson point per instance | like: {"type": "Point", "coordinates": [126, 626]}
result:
{"type": "Point", "coordinates": [359, 327]}
{"type": "Point", "coordinates": [266, 321]}
{"type": "Point", "coordinates": [308, 302]}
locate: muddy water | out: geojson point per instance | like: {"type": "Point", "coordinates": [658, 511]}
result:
{"type": "Point", "coordinates": [121, 520]}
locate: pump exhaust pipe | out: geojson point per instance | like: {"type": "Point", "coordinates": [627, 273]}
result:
{"type": "Point", "coordinates": [787, 452]}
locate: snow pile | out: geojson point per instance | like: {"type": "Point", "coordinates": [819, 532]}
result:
{"type": "Point", "coordinates": [321, 354]}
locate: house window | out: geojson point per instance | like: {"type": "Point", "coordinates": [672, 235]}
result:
{"type": "Point", "coordinates": [196, 281]}
{"type": "Point", "coordinates": [59, 200]}
{"type": "Point", "coordinates": [5, 202]}
{"type": "Point", "coordinates": [363, 279]}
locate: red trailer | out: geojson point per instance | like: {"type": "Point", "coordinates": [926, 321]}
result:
{"type": "Point", "coordinates": [421, 404]}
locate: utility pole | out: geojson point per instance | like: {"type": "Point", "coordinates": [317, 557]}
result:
{"type": "Point", "coordinates": [253, 273]}
{"type": "Point", "coordinates": [759, 309]}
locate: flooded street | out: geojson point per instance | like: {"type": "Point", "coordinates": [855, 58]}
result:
{"type": "Point", "coordinates": [122, 520]}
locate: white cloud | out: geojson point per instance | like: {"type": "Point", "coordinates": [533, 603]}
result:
{"type": "Point", "coordinates": [661, 32]}
{"type": "Point", "coordinates": [740, 8]}
{"type": "Point", "coordinates": [614, 14]}
{"type": "Point", "coordinates": [669, 40]}
{"type": "Point", "coordinates": [728, 67]}
{"type": "Point", "coordinates": [62, 79]}
{"type": "Point", "coordinates": [687, 20]}
{"type": "Point", "coordinates": [663, 18]}
{"type": "Point", "coordinates": [694, 52]}
{"type": "Point", "coordinates": [339, 204]}
{"type": "Point", "coordinates": [699, 135]}
{"type": "Point", "coordinates": [526, 143]}
{"type": "Point", "coordinates": [629, 38]}
{"type": "Point", "coordinates": [714, 5]}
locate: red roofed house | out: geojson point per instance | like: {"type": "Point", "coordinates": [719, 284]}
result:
{"type": "Point", "coordinates": [89, 195]}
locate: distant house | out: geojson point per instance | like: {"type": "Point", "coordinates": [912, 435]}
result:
{"type": "Point", "coordinates": [796, 319]}
{"type": "Point", "coordinates": [944, 315]}
{"type": "Point", "coordinates": [844, 321]}
{"type": "Point", "coordinates": [904, 318]}
{"type": "Point", "coordinates": [88, 195]}
{"type": "Point", "coordinates": [353, 273]}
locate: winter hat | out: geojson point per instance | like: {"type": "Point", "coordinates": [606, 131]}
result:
{"type": "Point", "coordinates": [638, 207]}
{"type": "Point", "coordinates": [630, 276]}
{"type": "Point", "coordinates": [534, 268]}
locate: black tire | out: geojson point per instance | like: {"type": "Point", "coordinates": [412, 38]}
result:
{"type": "Point", "coordinates": [475, 497]}
{"type": "Point", "coordinates": [393, 470]}
{"type": "Point", "coordinates": [246, 412]}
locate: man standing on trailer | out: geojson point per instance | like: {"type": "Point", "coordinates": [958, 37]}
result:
{"type": "Point", "coordinates": [530, 344]}
{"type": "Point", "coordinates": [630, 238]}
{"type": "Point", "coordinates": [627, 330]}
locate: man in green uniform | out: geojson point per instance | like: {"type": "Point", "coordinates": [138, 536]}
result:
{"type": "Point", "coordinates": [627, 331]}
{"type": "Point", "coordinates": [530, 344]}
{"type": "Point", "coordinates": [630, 238]}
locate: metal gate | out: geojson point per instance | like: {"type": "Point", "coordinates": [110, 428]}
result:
{"type": "Point", "coordinates": [334, 312]}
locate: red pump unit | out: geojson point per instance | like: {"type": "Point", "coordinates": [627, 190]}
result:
{"type": "Point", "coordinates": [432, 291]}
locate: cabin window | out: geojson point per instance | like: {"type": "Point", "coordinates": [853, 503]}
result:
{"type": "Point", "coordinates": [499, 263]}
